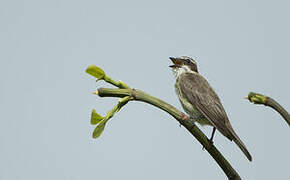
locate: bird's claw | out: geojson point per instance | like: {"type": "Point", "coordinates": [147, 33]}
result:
{"type": "Point", "coordinates": [210, 141]}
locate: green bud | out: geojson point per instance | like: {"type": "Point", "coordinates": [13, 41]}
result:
{"type": "Point", "coordinates": [257, 98]}
{"type": "Point", "coordinates": [96, 72]}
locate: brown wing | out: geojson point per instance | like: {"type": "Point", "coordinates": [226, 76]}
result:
{"type": "Point", "coordinates": [198, 92]}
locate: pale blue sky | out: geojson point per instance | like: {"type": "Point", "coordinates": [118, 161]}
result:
{"type": "Point", "coordinates": [46, 96]}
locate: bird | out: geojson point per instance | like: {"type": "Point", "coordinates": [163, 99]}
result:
{"type": "Point", "coordinates": [201, 102]}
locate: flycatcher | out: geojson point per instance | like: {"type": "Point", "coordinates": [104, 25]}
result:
{"type": "Point", "coordinates": [200, 101]}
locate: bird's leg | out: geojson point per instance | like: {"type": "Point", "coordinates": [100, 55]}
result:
{"type": "Point", "coordinates": [212, 134]}
{"type": "Point", "coordinates": [211, 138]}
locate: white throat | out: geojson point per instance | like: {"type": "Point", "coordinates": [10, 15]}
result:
{"type": "Point", "coordinates": [183, 69]}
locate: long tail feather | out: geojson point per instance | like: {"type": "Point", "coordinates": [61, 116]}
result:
{"type": "Point", "coordinates": [241, 145]}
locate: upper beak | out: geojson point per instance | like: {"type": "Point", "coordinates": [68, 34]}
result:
{"type": "Point", "coordinates": [176, 62]}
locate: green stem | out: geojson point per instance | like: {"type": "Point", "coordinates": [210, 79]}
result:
{"type": "Point", "coordinates": [181, 118]}
{"type": "Point", "coordinates": [119, 84]}
{"type": "Point", "coordinates": [267, 101]}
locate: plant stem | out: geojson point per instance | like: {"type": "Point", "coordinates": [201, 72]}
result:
{"type": "Point", "coordinates": [180, 117]}
{"type": "Point", "coordinates": [267, 101]}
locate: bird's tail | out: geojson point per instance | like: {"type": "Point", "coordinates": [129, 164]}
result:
{"type": "Point", "coordinates": [241, 145]}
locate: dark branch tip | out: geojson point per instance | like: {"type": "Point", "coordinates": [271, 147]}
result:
{"type": "Point", "coordinates": [99, 92]}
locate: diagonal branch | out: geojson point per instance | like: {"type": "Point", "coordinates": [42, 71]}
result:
{"type": "Point", "coordinates": [268, 101]}
{"type": "Point", "coordinates": [127, 94]}
{"type": "Point", "coordinates": [183, 119]}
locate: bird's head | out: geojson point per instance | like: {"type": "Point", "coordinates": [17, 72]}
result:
{"type": "Point", "coordinates": [183, 64]}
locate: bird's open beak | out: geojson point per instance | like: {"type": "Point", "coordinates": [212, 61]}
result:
{"type": "Point", "coordinates": [176, 62]}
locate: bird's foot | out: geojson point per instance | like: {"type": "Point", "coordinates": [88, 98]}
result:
{"type": "Point", "coordinates": [210, 141]}
{"type": "Point", "coordinates": [184, 117]}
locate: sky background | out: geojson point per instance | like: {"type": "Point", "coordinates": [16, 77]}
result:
{"type": "Point", "coordinates": [46, 97]}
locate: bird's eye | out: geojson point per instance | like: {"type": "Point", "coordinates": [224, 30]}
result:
{"type": "Point", "coordinates": [187, 60]}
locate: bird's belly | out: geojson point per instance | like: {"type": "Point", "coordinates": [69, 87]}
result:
{"type": "Point", "coordinates": [191, 110]}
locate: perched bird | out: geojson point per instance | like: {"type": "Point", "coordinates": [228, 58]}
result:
{"type": "Point", "coordinates": [200, 101]}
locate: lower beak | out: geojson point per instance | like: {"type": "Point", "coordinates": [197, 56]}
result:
{"type": "Point", "coordinates": [177, 62]}
{"type": "Point", "coordinates": [174, 66]}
